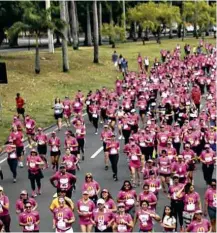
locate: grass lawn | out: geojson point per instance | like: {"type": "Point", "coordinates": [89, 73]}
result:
{"type": "Point", "coordinates": [39, 91]}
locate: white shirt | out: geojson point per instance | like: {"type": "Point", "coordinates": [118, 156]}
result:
{"type": "Point", "coordinates": [58, 108]}
{"type": "Point", "coordinates": [146, 62]}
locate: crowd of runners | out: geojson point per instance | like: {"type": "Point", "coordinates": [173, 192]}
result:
{"type": "Point", "coordinates": [163, 118]}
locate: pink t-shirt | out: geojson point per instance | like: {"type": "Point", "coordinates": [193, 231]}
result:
{"type": "Point", "coordinates": [91, 187]}
{"type": "Point", "coordinates": [150, 197]}
{"type": "Point", "coordinates": [63, 181]}
{"type": "Point", "coordinates": [164, 165]}
{"type": "Point", "coordinates": [180, 169]}
{"type": "Point", "coordinates": [121, 227]}
{"type": "Point", "coordinates": [17, 138]}
{"type": "Point", "coordinates": [173, 189]}
{"type": "Point", "coordinates": [208, 157]}
{"type": "Point", "coordinates": [85, 207]}
{"type": "Point", "coordinates": [3, 201]}
{"type": "Point", "coordinates": [80, 131]}
{"type": "Point", "coordinates": [145, 220]}
{"type": "Point", "coordinates": [162, 137]}
{"type": "Point", "coordinates": [70, 161]}
{"type": "Point", "coordinates": [61, 214]}
{"type": "Point", "coordinates": [135, 156]}
{"type": "Point", "coordinates": [110, 204]}
{"type": "Point", "coordinates": [202, 226]}
{"type": "Point", "coordinates": [154, 185]}
{"type": "Point", "coordinates": [211, 197]}
{"type": "Point", "coordinates": [54, 144]}
{"type": "Point", "coordinates": [113, 147]}
{"type": "Point", "coordinates": [128, 198]}
{"type": "Point", "coordinates": [191, 202]}
{"type": "Point", "coordinates": [30, 218]}
{"type": "Point", "coordinates": [30, 126]}
{"type": "Point", "coordinates": [102, 218]}
{"type": "Point", "coordinates": [41, 139]}
{"type": "Point", "coordinates": [32, 160]}
{"type": "Point", "coordinates": [20, 205]}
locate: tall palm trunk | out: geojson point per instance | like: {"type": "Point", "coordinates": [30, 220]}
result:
{"type": "Point", "coordinates": [69, 35]}
{"type": "Point", "coordinates": [95, 33]}
{"type": "Point", "coordinates": [74, 25]}
{"type": "Point", "coordinates": [111, 20]}
{"type": "Point", "coordinates": [89, 36]}
{"type": "Point", "coordinates": [64, 36]}
{"type": "Point", "coordinates": [100, 23]}
{"type": "Point", "coordinates": [37, 58]}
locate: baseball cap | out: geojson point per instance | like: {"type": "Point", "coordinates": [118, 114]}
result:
{"type": "Point", "coordinates": [133, 110]}
{"type": "Point", "coordinates": [150, 161]}
{"type": "Point", "coordinates": [180, 156]}
{"type": "Point", "coordinates": [24, 192]}
{"type": "Point", "coordinates": [85, 193]}
{"type": "Point", "coordinates": [121, 205]}
{"type": "Point", "coordinates": [1, 188]}
{"type": "Point", "coordinates": [105, 191]}
{"type": "Point", "coordinates": [62, 165]}
{"type": "Point", "coordinates": [100, 201]}
{"type": "Point", "coordinates": [175, 176]}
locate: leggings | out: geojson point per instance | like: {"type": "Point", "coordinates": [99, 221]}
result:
{"type": "Point", "coordinates": [95, 122]}
{"type": "Point", "coordinates": [207, 172]}
{"type": "Point", "coordinates": [148, 152]}
{"type": "Point", "coordinates": [114, 163]}
{"type": "Point", "coordinates": [6, 220]}
{"type": "Point", "coordinates": [126, 134]}
{"type": "Point", "coordinates": [37, 181]}
{"type": "Point", "coordinates": [80, 145]}
{"type": "Point", "coordinates": [177, 208]}
{"type": "Point", "coordinates": [13, 167]}
{"type": "Point", "coordinates": [177, 146]}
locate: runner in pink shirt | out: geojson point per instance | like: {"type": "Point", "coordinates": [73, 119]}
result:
{"type": "Point", "coordinates": [30, 130]}
{"type": "Point", "coordinates": [211, 203]}
{"type": "Point", "coordinates": [102, 217]}
{"type": "Point", "coordinates": [63, 180]}
{"type": "Point", "coordinates": [176, 136]}
{"type": "Point", "coordinates": [85, 209]}
{"type": "Point", "coordinates": [123, 222]}
{"type": "Point", "coordinates": [5, 217]}
{"type": "Point", "coordinates": [149, 196]}
{"type": "Point", "coordinates": [80, 133]}
{"type": "Point", "coordinates": [192, 203]}
{"type": "Point", "coordinates": [54, 143]}
{"type": "Point", "coordinates": [77, 106]}
{"type": "Point", "coordinates": [162, 138]}
{"type": "Point", "coordinates": [171, 151]}
{"type": "Point", "coordinates": [34, 164]}
{"type": "Point", "coordinates": [210, 137]}
{"type": "Point", "coordinates": [109, 202]}
{"type": "Point", "coordinates": [71, 143]}
{"type": "Point", "coordinates": [118, 85]}
{"type": "Point", "coordinates": [208, 159]}
{"type": "Point", "coordinates": [154, 183]}
{"type": "Point", "coordinates": [95, 112]}
{"type": "Point", "coordinates": [128, 196]}
{"type": "Point", "coordinates": [29, 219]}
{"type": "Point", "coordinates": [149, 166]}
{"type": "Point", "coordinates": [20, 203]}
{"type": "Point", "coordinates": [199, 224]}
{"type": "Point", "coordinates": [103, 107]}
{"type": "Point", "coordinates": [181, 168]}
{"type": "Point", "coordinates": [164, 169]}
{"type": "Point", "coordinates": [18, 139]}
{"type": "Point", "coordinates": [146, 217]}
{"type": "Point", "coordinates": [63, 217]}
{"type": "Point", "coordinates": [41, 140]}
{"type": "Point", "coordinates": [67, 110]}
{"type": "Point", "coordinates": [92, 187]}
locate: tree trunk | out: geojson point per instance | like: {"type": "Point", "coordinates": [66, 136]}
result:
{"type": "Point", "coordinates": [95, 33]}
{"type": "Point", "coordinates": [58, 43]}
{"type": "Point", "coordinates": [134, 31]}
{"type": "Point", "coordinates": [89, 36]}
{"type": "Point", "coordinates": [37, 58]}
{"type": "Point", "coordinates": [13, 41]}
{"type": "Point", "coordinates": [64, 41]}
{"type": "Point", "coordinates": [183, 31]}
{"type": "Point", "coordinates": [69, 35]}
{"type": "Point", "coordinates": [113, 45]}
{"type": "Point", "coordinates": [2, 35]}
{"type": "Point", "coordinates": [74, 25]}
{"type": "Point", "coordinates": [110, 19]}
{"type": "Point", "coordinates": [100, 23]}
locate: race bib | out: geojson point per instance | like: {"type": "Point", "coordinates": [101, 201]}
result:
{"type": "Point", "coordinates": [69, 164]}
{"type": "Point", "coordinates": [32, 164]}
{"type": "Point", "coordinates": [77, 105]}
{"type": "Point", "coordinates": [130, 201]}
{"type": "Point", "coordinates": [61, 225]}
{"type": "Point", "coordinates": [66, 107]}
{"type": "Point", "coordinates": [13, 155]}
{"type": "Point", "coordinates": [208, 159]}
{"type": "Point", "coordinates": [30, 228]}
{"type": "Point", "coordinates": [54, 149]}
{"type": "Point", "coordinates": [127, 106]}
{"type": "Point", "coordinates": [40, 142]}
{"type": "Point", "coordinates": [187, 157]}
{"type": "Point", "coordinates": [64, 183]}
{"type": "Point", "coordinates": [176, 139]}
{"type": "Point", "coordinates": [87, 102]}
{"type": "Point", "coordinates": [28, 126]}
{"type": "Point", "coordinates": [113, 151]}
{"type": "Point", "coordinates": [164, 169]}
{"type": "Point", "coordinates": [122, 228]}
{"type": "Point", "coordinates": [214, 203]}
{"type": "Point", "coordinates": [174, 195]}
{"type": "Point", "coordinates": [142, 144]}
{"type": "Point", "coordinates": [125, 126]}
{"type": "Point", "coordinates": [190, 207]}
{"type": "Point", "coordinates": [142, 106]}
{"type": "Point", "coordinates": [94, 115]}
{"type": "Point", "coordinates": [134, 157]}
{"type": "Point", "coordinates": [84, 208]}
{"type": "Point", "coordinates": [152, 189]}
{"type": "Point", "coordinates": [91, 192]}
{"type": "Point", "coordinates": [144, 218]}
{"type": "Point", "coordinates": [163, 139]}
{"type": "Point", "coordinates": [78, 131]}
{"type": "Point", "coordinates": [181, 114]}
{"type": "Point", "coordinates": [170, 157]}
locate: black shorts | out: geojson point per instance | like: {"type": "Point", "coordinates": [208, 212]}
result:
{"type": "Point", "coordinates": [75, 152]}
{"type": "Point", "coordinates": [42, 149]}
{"type": "Point", "coordinates": [104, 147]}
{"type": "Point", "coordinates": [38, 175]}
{"type": "Point", "coordinates": [58, 116]}
{"type": "Point", "coordinates": [56, 153]}
{"type": "Point", "coordinates": [73, 172]}
{"type": "Point", "coordinates": [20, 111]}
{"type": "Point", "coordinates": [112, 118]}
{"type": "Point", "coordinates": [19, 151]}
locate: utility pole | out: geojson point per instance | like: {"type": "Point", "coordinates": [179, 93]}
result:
{"type": "Point", "coordinates": [49, 33]}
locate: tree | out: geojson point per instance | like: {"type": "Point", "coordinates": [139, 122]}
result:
{"type": "Point", "coordinates": [35, 20]}
{"type": "Point", "coordinates": [74, 25]}
{"type": "Point", "coordinates": [89, 36]}
{"type": "Point", "coordinates": [114, 32]}
{"type": "Point", "coordinates": [100, 23]}
{"type": "Point", "coordinates": [95, 33]}
{"type": "Point", "coordinates": [64, 36]}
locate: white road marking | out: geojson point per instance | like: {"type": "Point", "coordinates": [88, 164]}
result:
{"type": "Point", "coordinates": [97, 152]}
{"type": "Point", "coordinates": [2, 161]}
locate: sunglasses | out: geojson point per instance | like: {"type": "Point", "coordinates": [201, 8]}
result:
{"type": "Point", "coordinates": [126, 185]}
{"type": "Point", "coordinates": [121, 207]}
{"type": "Point", "coordinates": [28, 207]}
{"type": "Point", "coordinates": [89, 177]}
{"type": "Point", "coordinates": [213, 185]}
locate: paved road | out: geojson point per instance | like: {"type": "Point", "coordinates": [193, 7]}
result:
{"type": "Point", "coordinates": [94, 165]}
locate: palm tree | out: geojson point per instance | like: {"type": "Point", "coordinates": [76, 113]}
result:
{"type": "Point", "coordinates": [100, 23]}
{"type": "Point", "coordinates": [74, 25]}
{"type": "Point", "coordinates": [95, 33]}
{"type": "Point", "coordinates": [89, 37]}
{"type": "Point", "coordinates": [35, 20]}
{"type": "Point", "coordinates": [64, 36]}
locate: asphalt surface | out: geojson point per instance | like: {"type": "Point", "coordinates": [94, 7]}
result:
{"type": "Point", "coordinates": [95, 165]}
